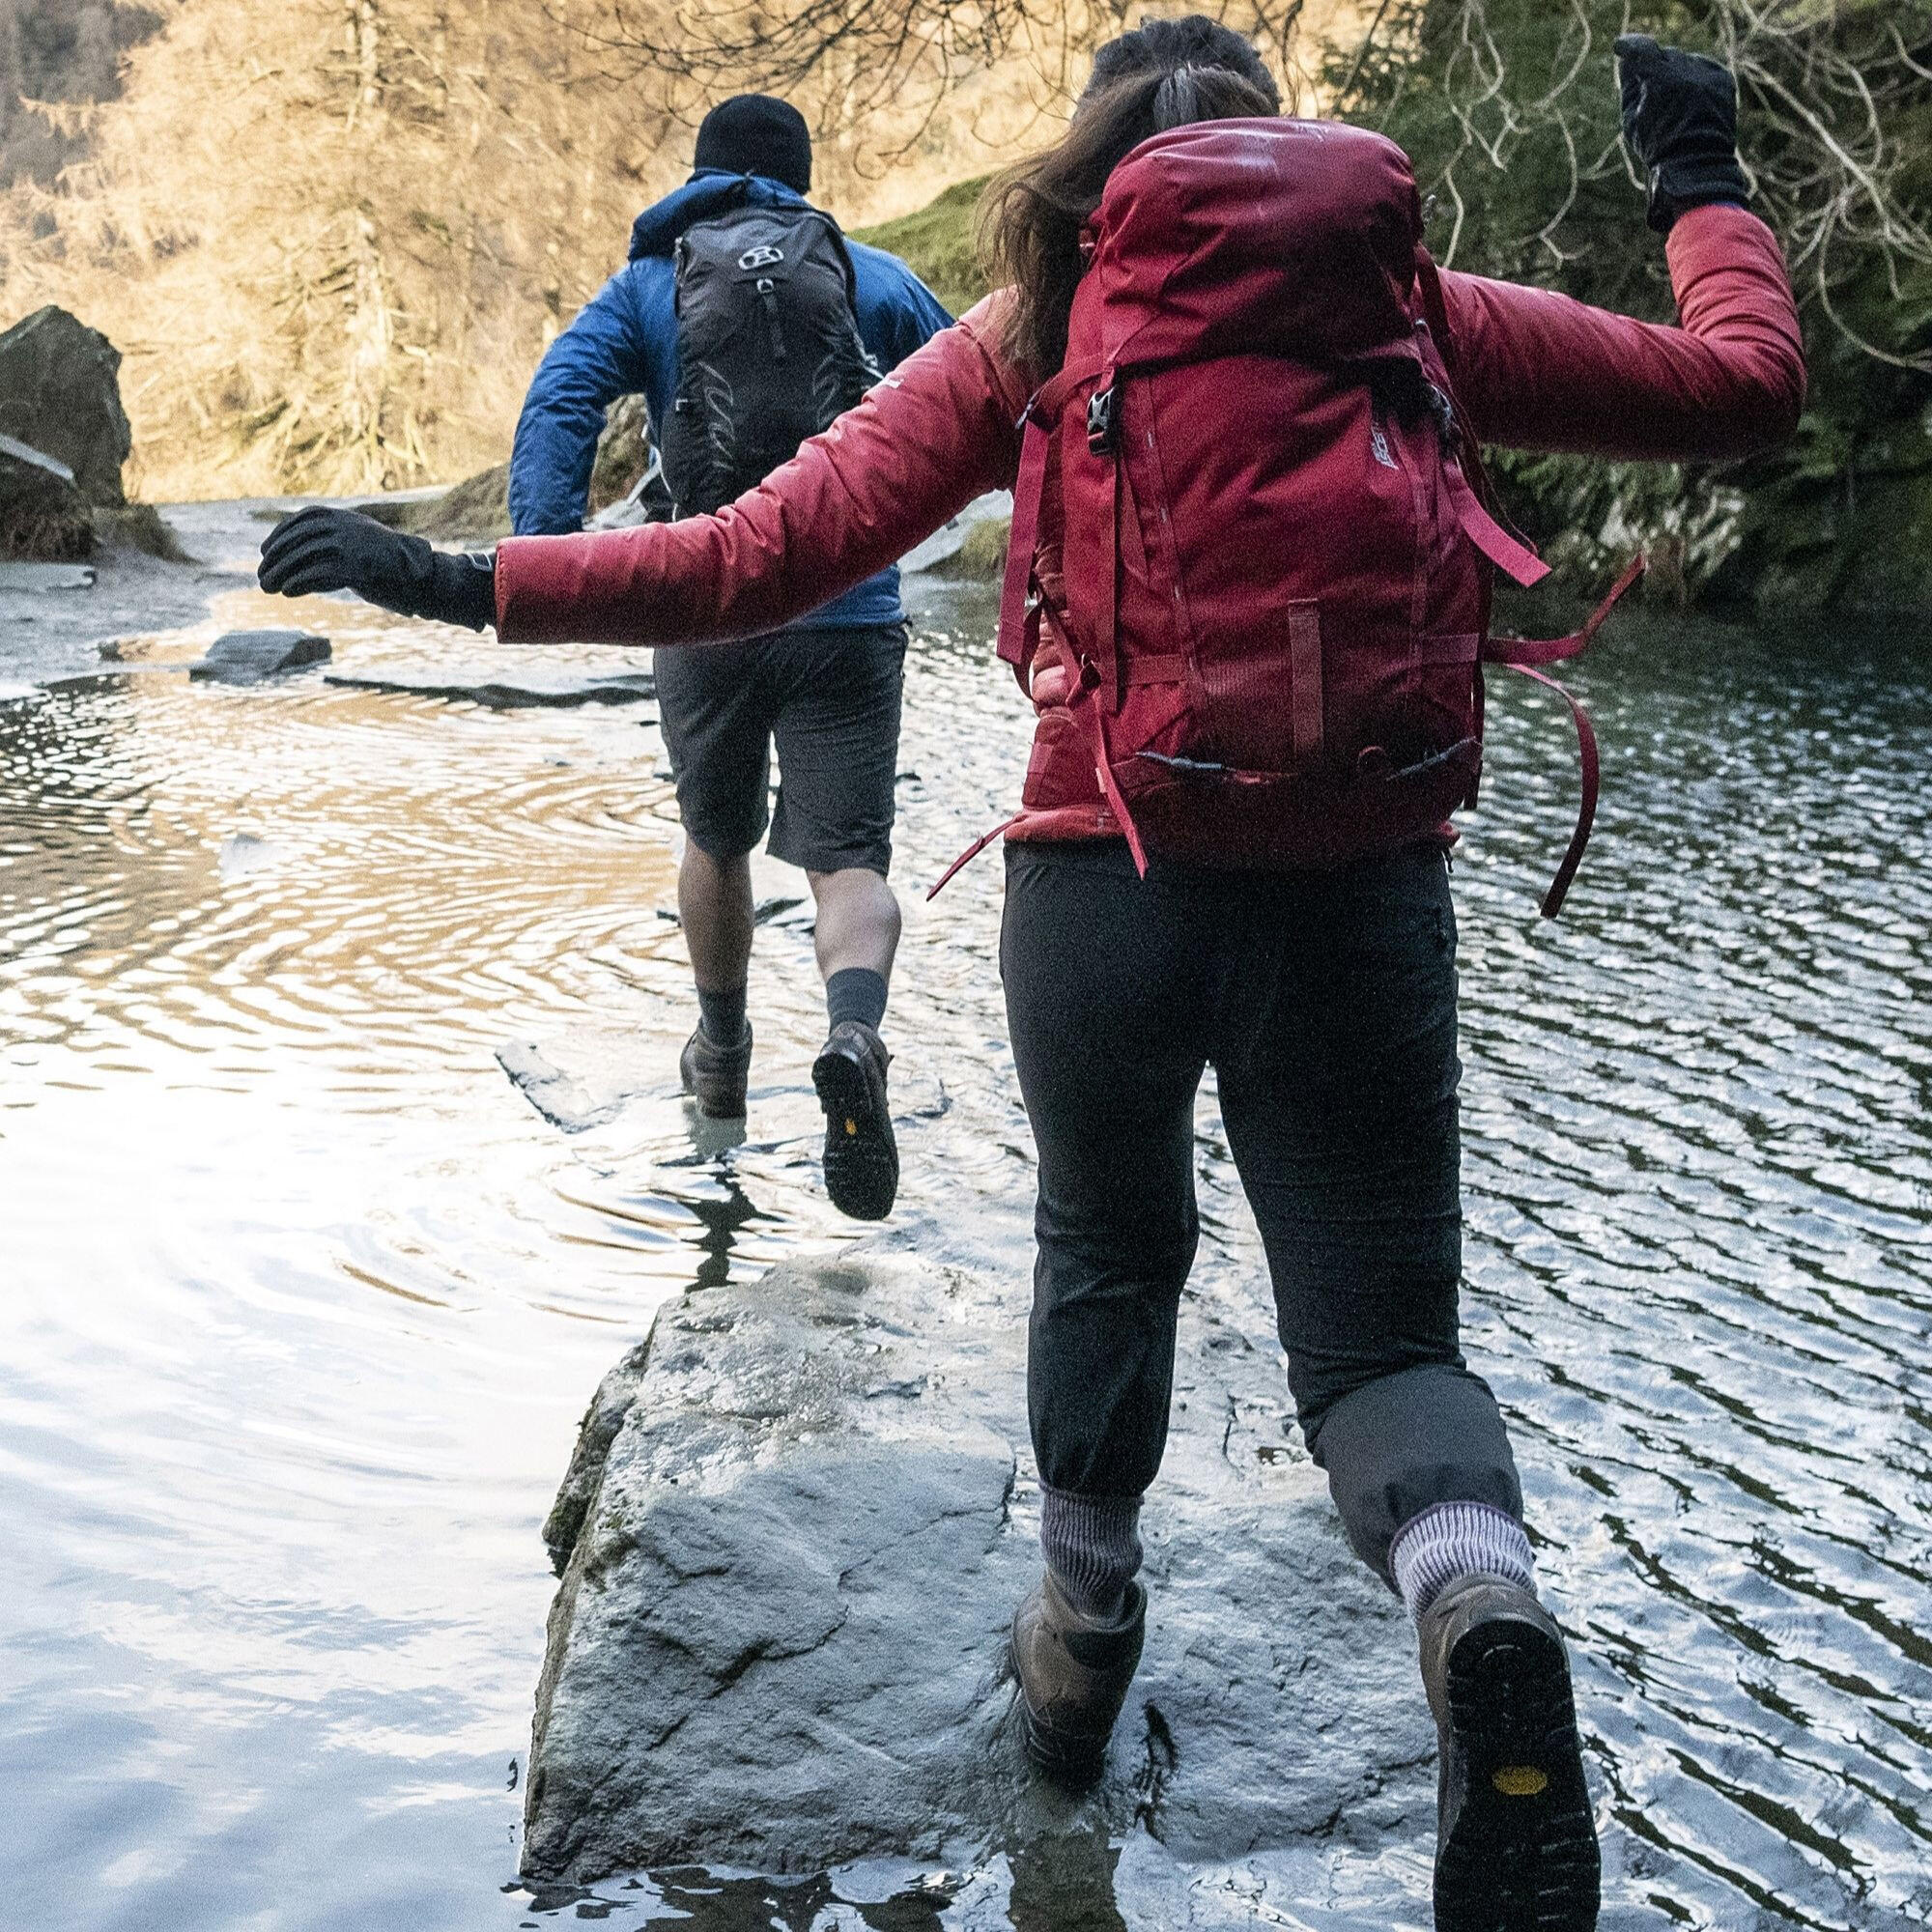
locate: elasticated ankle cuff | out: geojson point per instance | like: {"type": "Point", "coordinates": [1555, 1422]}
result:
{"type": "Point", "coordinates": [1093, 1546]}
{"type": "Point", "coordinates": [1453, 1540]}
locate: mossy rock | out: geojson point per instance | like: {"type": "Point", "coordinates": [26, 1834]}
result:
{"type": "Point", "coordinates": [477, 509]}
{"type": "Point", "coordinates": [983, 557]}
{"type": "Point", "coordinates": [936, 243]}
{"type": "Point", "coordinates": [140, 526]}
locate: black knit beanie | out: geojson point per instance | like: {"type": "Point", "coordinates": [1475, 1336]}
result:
{"type": "Point", "coordinates": [757, 134]}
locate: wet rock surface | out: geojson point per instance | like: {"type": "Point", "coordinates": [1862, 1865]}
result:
{"type": "Point", "coordinates": [251, 657]}
{"type": "Point", "coordinates": [792, 1535]}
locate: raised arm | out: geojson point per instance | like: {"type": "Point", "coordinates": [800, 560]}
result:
{"type": "Point", "coordinates": [935, 434]}
{"type": "Point", "coordinates": [1538, 370]}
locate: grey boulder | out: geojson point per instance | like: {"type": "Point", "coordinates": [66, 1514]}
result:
{"type": "Point", "coordinates": [250, 657]}
{"type": "Point", "coordinates": [60, 391]}
{"type": "Point", "coordinates": [791, 1540]}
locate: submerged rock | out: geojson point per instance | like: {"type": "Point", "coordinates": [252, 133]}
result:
{"type": "Point", "coordinates": [794, 1529]}
{"type": "Point", "coordinates": [522, 691]}
{"type": "Point", "coordinates": [248, 657]}
{"type": "Point", "coordinates": [584, 1080]}
{"type": "Point", "coordinates": [60, 391]}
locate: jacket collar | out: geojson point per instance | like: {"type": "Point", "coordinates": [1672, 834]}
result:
{"type": "Point", "coordinates": [709, 192]}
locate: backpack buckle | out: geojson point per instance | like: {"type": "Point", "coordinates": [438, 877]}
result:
{"type": "Point", "coordinates": [1103, 414]}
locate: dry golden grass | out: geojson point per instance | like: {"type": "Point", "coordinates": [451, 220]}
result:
{"type": "Point", "coordinates": [332, 238]}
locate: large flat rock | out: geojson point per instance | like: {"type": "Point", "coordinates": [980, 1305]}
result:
{"type": "Point", "coordinates": [794, 1530]}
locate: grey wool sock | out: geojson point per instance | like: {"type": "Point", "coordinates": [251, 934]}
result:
{"type": "Point", "coordinates": [1093, 1546]}
{"type": "Point", "coordinates": [1453, 1540]}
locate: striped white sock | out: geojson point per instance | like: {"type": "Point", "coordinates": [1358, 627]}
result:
{"type": "Point", "coordinates": [1453, 1540]}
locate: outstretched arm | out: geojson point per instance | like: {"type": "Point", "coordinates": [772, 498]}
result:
{"type": "Point", "coordinates": [935, 434]}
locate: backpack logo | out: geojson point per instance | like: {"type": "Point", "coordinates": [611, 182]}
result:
{"type": "Point", "coordinates": [762, 257]}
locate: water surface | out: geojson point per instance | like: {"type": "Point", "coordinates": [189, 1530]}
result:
{"type": "Point", "coordinates": [302, 1300]}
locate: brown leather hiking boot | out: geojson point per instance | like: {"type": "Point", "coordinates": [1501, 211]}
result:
{"type": "Point", "coordinates": [716, 1075]}
{"type": "Point", "coordinates": [1073, 1674]}
{"type": "Point", "coordinates": [862, 1159]}
{"type": "Point", "coordinates": [1515, 1844]}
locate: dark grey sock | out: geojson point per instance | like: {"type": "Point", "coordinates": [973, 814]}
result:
{"type": "Point", "coordinates": [1093, 1546]}
{"type": "Point", "coordinates": [723, 1017]}
{"type": "Point", "coordinates": [856, 994]}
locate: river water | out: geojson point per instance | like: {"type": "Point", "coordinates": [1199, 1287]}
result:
{"type": "Point", "coordinates": [302, 1300]}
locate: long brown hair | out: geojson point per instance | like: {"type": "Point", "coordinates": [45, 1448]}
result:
{"type": "Point", "coordinates": [1166, 74]}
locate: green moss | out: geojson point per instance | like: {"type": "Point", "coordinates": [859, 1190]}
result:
{"type": "Point", "coordinates": [936, 241]}
{"type": "Point", "coordinates": [983, 557]}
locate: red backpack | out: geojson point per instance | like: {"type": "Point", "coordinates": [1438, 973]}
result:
{"type": "Point", "coordinates": [1251, 523]}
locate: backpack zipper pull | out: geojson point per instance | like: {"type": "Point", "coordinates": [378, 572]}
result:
{"type": "Point", "coordinates": [768, 293]}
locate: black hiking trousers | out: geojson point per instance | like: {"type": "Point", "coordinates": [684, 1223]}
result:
{"type": "Point", "coordinates": [1327, 1005]}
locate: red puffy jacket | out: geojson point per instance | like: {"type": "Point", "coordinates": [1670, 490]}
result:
{"type": "Point", "coordinates": [1531, 369]}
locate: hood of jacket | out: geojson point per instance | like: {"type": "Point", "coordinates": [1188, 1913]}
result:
{"type": "Point", "coordinates": [709, 192]}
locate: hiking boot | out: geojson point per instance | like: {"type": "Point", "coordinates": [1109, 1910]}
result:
{"type": "Point", "coordinates": [1074, 1673]}
{"type": "Point", "coordinates": [861, 1159]}
{"type": "Point", "coordinates": [716, 1075]}
{"type": "Point", "coordinates": [1515, 1844]}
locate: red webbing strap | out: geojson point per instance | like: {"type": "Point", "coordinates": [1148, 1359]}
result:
{"type": "Point", "coordinates": [1514, 559]}
{"type": "Point", "coordinates": [1106, 628]}
{"type": "Point", "coordinates": [1104, 770]}
{"type": "Point", "coordinates": [1019, 626]}
{"type": "Point", "coordinates": [1586, 813]}
{"type": "Point", "coordinates": [1525, 654]}
{"type": "Point", "coordinates": [1524, 651]}
{"type": "Point", "coordinates": [1029, 487]}
{"type": "Point", "coordinates": [1304, 676]}
{"type": "Point", "coordinates": [972, 852]}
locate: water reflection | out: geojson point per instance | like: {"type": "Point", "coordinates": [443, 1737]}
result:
{"type": "Point", "coordinates": [302, 1300]}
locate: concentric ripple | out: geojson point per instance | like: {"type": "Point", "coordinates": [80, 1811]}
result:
{"type": "Point", "coordinates": [302, 1300]}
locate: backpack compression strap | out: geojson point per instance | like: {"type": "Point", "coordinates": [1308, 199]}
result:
{"type": "Point", "coordinates": [1525, 654]}
{"type": "Point", "coordinates": [1019, 613]}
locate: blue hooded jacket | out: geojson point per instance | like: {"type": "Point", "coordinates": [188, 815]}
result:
{"type": "Point", "coordinates": [624, 342]}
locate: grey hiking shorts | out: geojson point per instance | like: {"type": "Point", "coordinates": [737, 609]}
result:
{"type": "Point", "coordinates": [830, 701]}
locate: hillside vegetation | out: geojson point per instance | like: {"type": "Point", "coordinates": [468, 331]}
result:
{"type": "Point", "coordinates": [333, 237]}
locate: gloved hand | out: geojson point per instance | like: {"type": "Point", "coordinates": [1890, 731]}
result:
{"type": "Point", "coordinates": [1681, 124]}
{"type": "Point", "coordinates": [321, 548]}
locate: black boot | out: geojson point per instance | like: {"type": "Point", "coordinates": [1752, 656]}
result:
{"type": "Point", "coordinates": [861, 1159]}
{"type": "Point", "coordinates": [1515, 1844]}
{"type": "Point", "coordinates": [1074, 1673]}
{"type": "Point", "coordinates": [716, 1075]}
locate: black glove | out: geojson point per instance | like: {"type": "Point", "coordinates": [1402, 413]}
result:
{"type": "Point", "coordinates": [320, 548]}
{"type": "Point", "coordinates": [1681, 124]}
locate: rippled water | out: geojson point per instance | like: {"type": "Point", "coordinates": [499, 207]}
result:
{"type": "Point", "coordinates": [302, 1300]}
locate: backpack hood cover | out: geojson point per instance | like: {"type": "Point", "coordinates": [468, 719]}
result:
{"type": "Point", "coordinates": [1316, 225]}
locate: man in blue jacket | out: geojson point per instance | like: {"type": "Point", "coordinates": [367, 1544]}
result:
{"type": "Point", "coordinates": [827, 689]}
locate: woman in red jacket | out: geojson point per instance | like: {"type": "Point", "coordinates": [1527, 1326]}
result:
{"type": "Point", "coordinates": [1324, 998]}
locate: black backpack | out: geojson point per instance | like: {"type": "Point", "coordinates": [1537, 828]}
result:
{"type": "Point", "coordinates": [768, 348]}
